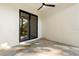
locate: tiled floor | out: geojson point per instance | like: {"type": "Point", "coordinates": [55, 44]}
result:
{"type": "Point", "coordinates": [48, 48]}
{"type": "Point", "coordinates": [42, 47]}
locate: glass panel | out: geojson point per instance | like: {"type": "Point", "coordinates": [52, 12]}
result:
{"type": "Point", "coordinates": [33, 27]}
{"type": "Point", "coordinates": [24, 27]}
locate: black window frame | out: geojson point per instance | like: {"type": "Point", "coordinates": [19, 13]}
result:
{"type": "Point", "coordinates": [20, 10]}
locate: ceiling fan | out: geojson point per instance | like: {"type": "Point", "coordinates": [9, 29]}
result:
{"type": "Point", "coordinates": [43, 4]}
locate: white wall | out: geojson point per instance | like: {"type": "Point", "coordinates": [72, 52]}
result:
{"type": "Point", "coordinates": [9, 23]}
{"type": "Point", "coordinates": [62, 24]}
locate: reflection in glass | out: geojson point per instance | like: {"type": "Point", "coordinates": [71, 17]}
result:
{"type": "Point", "coordinates": [24, 27]}
{"type": "Point", "coordinates": [33, 27]}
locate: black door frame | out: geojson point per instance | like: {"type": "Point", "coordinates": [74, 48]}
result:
{"type": "Point", "coordinates": [20, 10]}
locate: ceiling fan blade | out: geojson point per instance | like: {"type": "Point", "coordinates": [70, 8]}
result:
{"type": "Point", "coordinates": [49, 5]}
{"type": "Point", "coordinates": [40, 7]}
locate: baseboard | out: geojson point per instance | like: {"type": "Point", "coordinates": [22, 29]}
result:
{"type": "Point", "coordinates": [60, 42]}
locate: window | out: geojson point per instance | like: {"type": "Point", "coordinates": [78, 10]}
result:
{"type": "Point", "coordinates": [28, 26]}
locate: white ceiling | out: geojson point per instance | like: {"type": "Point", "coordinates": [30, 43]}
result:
{"type": "Point", "coordinates": [34, 6]}
{"type": "Point", "coordinates": [37, 5]}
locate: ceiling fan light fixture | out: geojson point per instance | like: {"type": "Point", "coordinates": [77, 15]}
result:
{"type": "Point", "coordinates": [44, 6]}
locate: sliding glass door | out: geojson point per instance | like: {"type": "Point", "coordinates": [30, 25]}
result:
{"type": "Point", "coordinates": [28, 26]}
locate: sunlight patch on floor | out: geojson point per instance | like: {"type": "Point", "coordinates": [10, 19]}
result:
{"type": "Point", "coordinates": [5, 46]}
{"type": "Point", "coordinates": [47, 51]}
